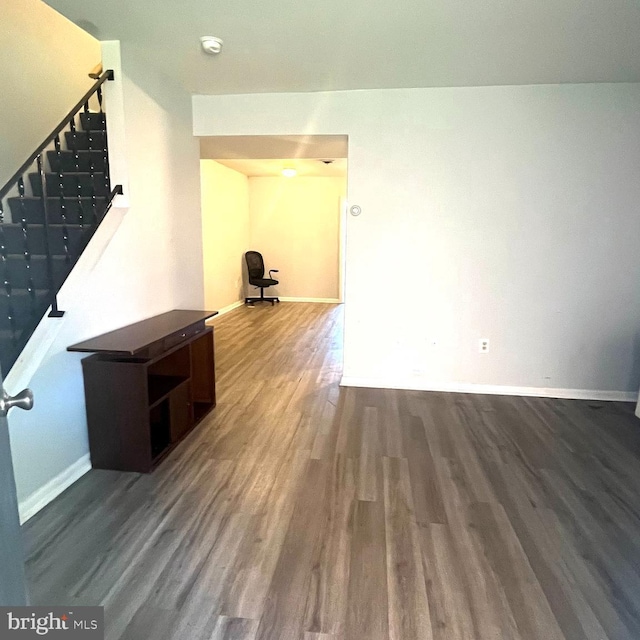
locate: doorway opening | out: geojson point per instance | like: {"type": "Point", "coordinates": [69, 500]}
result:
{"type": "Point", "coordinates": [283, 196]}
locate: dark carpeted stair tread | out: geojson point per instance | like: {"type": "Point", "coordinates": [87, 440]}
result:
{"type": "Point", "coordinates": [85, 139]}
{"type": "Point", "coordinates": [79, 160]}
{"type": "Point", "coordinates": [20, 256]}
{"type": "Point", "coordinates": [93, 121]}
{"type": "Point", "coordinates": [32, 210]}
{"type": "Point", "coordinates": [21, 301]}
{"type": "Point", "coordinates": [9, 338]}
{"type": "Point", "coordinates": [27, 309]}
{"type": "Point", "coordinates": [73, 183]}
{"type": "Point", "coordinates": [22, 295]}
{"type": "Point", "coordinates": [11, 225]}
{"type": "Point", "coordinates": [10, 347]}
{"type": "Point", "coordinates": [76, 238]}
{"type": "Point", "coordinates": [18, 275]}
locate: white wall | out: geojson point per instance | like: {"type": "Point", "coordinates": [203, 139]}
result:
{"type": "Point", "coordinates": [295, 224]}
{"type": "Point", "coordinates": [508, 213]}
{"type": "Point", "coordinates": [225, 233]}
{"type": "Point", "coordinates": [152, 265]}
{"type": "Point", "coordinates": [44, 64]}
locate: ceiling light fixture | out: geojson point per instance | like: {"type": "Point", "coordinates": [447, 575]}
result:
{"type": "Point", "coordinates": [289, 172]}
{"type": "Point", "coordinates": [211, 45]}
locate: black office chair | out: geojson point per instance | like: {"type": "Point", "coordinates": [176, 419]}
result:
{"type": "Point", "coordinates": [255, 266]}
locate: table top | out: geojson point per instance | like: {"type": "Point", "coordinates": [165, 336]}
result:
{"type": "Point", "coordinates": [136, 337]}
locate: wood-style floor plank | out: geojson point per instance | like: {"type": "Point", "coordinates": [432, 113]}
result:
{"type": "Point", "coordinates": [327, 599]}
{"type": "Point", "coordinates": [427, 494]}
{"type": "Point", "coordinates": [367, 614]}
{"type": "Point", "coordinates": [449, 607]}
{"type": "Point", "coordinates": [256, 562]}
{"type": "Point", "coordinates": [234, 629]}
{"type": "Point", "coordinates": [300, 510]}
{"type": "Point", "coordinates": [406, 587]}
{"type": "Point", "coordinates": [369, 458]}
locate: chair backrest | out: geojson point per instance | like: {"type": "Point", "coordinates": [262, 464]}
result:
{"type": "Point", "coordinates": [255, 264]}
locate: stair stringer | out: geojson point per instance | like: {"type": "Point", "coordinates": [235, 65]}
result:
{"type": "Point", "coordinates": [70, 295]}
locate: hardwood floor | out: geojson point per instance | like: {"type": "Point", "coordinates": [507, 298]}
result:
{"type": "Point", "coordinates": [302, 511]}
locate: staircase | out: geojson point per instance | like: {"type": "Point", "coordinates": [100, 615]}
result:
{"type": "Point", "coordinates": [49, 211]}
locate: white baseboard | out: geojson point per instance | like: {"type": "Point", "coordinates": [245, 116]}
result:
{"type": "Point", "coordinates": [45, 494]}
{"type": "Point", "coordinates": [230, 307]}
{"type": "Point", "coordinates": [490, 389]}
{"type": "Point", "coordinates": [240, 303]}
{"type": "Point", "coordinates": [324, 300]}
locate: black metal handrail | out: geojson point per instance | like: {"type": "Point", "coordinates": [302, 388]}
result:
{"type": "Point", "coordinates": [107, 75]}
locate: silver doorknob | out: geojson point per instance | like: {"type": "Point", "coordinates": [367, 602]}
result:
{"type": "Point", "coordinates": [23, 400]}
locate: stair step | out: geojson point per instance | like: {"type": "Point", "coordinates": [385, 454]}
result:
{"type": "Point", "coordinates": [18, 274]}
{"type": "Point", "coordinates": [72, 183]}
{"type": "Point", "coordinates": [67, 161]}
{"type": "Point", "coordinates": [31, 209]}
{"type": "Point", "coordinates": [82, 140]}
{"type": "Point", "coordinates": [27, 309]}
{"type": "Point", "coordinates": [14, 240]}
{"type": "Point", "coordinates": [8, 338]}
{"type": "Point", "coordinates": [93, 121]}
{"type": "Point", "coordinates": [9, 349]}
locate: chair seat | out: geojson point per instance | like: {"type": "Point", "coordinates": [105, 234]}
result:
{"type": "Point", "coordinates": [262, 282]}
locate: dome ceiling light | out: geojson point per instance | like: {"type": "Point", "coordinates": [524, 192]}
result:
{"type": "Point", "coordinates": [211, 45]}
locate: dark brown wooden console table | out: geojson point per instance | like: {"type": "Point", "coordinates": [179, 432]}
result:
{"type": "Point", "coordinates": [146, 386]}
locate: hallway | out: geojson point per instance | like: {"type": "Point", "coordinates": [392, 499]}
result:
{"type": "Point", "coordinates": [302, 511]}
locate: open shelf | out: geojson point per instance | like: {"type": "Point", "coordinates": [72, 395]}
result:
{"type": "Point", "coordinates": [139, 409]}
{"type": "Point", "coordinates": [160, 386]}
{"type": "Point", "coordinates": [160, 429]}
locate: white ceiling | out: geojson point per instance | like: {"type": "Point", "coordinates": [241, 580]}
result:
{"type": "Point", "coordinates": [273, 168]}
{"type": "Point", "coordinates": [269, 155]}
{"type": "Point", "coordinates": [234, 147]}
{"type": "Point", "coordinates": [289, 45]}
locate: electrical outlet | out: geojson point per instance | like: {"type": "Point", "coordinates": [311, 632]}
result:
{"type": "Point", "coordinates": [483, 345]}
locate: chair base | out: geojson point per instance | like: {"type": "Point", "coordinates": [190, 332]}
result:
{"type": "Point", "coordinates": [251, 301]}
